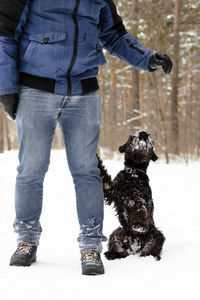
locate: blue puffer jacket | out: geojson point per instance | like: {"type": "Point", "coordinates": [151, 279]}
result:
{"type": "Point", "coordinates": [56, 45]}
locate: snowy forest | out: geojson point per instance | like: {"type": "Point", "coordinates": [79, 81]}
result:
{"type": "Point", "coordinates": [167, 106]}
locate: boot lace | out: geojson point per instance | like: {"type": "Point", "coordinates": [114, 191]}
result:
{"type": "Point", "coordinates": [90, 256]}
{"type": "Point", "coordinates": [24, 248]}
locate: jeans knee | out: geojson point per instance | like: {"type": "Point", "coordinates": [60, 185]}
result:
{"type": "Point", "coordinates": [30, 171]}
{"type": "Point", "coordinates": [85, 168]}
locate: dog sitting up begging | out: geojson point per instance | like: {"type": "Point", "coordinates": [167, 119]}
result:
{"type": "Point", "coordinates": [131, 196]}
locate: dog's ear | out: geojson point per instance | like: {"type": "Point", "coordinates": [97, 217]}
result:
{"type": "Point", "coordinates": [122, 148]}
{"type": "Point", "coordinates": [154, 156]}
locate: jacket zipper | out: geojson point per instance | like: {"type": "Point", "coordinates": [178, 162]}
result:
{"type": "Point", "coordinates": [75, 47]}
{"type": "Point", "coordinates": [135, 48]}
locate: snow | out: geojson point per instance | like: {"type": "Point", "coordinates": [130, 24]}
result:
{"type": "Point", "coordinates": [57, 273]}
{"type": "Point", "coordinates": [138, 228]}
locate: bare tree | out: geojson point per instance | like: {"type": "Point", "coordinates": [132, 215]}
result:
{"type": "Point", "coordinates": [174, 146]}
{"type": "Point", "coordinates": [135, 111]}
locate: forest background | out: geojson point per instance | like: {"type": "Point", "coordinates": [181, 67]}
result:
{"type": "Point", "coordinates": [167, 106]}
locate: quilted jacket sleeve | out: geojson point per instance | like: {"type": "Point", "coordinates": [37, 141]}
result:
{"type": "Point", "coordinates": [118, 42]}
{"type": "Point", "coordinates": [12, 13]}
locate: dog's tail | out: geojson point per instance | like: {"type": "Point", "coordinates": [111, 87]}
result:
{"type": "Point", "coordinates": [106, 180]}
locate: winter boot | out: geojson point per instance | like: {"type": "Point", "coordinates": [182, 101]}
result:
{"type": "Point", "coordinates": [25, 255]}
{"type": "Point", "coordinates": [91, 263]}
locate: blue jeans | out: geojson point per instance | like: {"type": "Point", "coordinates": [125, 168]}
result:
{"type": "Point", "coordinates": [80, 119]}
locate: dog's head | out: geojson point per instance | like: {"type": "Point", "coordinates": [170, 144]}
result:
{"type": "Point", "coordinates": [139, 148]}
{"type": "Point", "coordinates": [137, 214]}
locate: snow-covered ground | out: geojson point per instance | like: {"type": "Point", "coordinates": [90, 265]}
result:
{"type": "Point", "coordinates": [57, 273]}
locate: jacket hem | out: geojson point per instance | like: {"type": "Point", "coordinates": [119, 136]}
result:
{"type": "Point", "coordinates": [37, 82]}
{"type": "Point", "coordinates": [89, 85]}
{"type": "Point", "coordinates": [8, 91]}
{"type": "Point", "coordinates": [47, 84]}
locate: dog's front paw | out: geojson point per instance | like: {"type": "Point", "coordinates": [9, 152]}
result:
{"type": "Point", "coordinates": [109, 255]}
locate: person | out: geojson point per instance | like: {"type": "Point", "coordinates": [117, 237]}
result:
{"type": "Point", "coordinates": [50, 54]}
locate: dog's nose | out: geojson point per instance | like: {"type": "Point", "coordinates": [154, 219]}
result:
{"type": "Point", "coordinates": [143, 136]}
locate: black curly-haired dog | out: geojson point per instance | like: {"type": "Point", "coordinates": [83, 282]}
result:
{"type": "Point", "coordinates": [132, 198]}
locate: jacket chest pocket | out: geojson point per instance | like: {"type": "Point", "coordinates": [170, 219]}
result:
{"type": "Point", "coordinates": [46, 52]}
{"type": "Point", "coordinates": [89, 54]}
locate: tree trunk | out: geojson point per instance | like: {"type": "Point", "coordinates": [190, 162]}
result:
{"type": "Point", "coordinates": [135, 112]}
{"type": "Point", "coordinates": [113, 104]}
{"type": "Point", "coordinates": [7, 134]}
{"type": "Point", "coordinates": [175, 81]}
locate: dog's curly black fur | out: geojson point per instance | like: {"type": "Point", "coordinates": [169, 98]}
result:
{"type": "Point", "coordinates": [131, 195]}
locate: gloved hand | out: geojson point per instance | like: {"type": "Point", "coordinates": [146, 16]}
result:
{"type": "Point", "coordinates": [10, 103]}
{"type": "Point", "coordinates": [160, 59]}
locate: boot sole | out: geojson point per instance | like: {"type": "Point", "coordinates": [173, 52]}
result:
{"type": "Point", "coordinates": [20, 262]}
{"type": "Point", "coordinates": [92, 270]}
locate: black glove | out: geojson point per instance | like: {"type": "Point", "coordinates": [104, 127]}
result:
{"type": "Point", "coordinates": [160, 59]}
{"type": "Point", "coordinates": [10, 103]}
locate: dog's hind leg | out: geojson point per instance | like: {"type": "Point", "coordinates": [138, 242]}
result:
{"type": "Point", "coordinates": [107, 182]}
{"type": "Point", "coordinates": [154, 244]}
{"type": "Point", "coordinates": [115, 245]}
